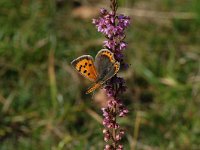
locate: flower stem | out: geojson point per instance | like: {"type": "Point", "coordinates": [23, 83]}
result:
{"type": "Point", "coordinates": [114, 130]}
{"type": "Point", "coordinates": [113, 7]}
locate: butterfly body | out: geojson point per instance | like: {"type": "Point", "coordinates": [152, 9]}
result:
{"type": "Point", "coordinates": [102, 69]}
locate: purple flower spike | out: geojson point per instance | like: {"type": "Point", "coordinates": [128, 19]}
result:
{"type": "Point", "coordinates": [113, 26]}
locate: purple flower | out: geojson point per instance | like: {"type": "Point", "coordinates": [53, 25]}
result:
{"type": "Point", "coordinates": [108, 147]}
{"type": "Point", "coordinates": [110, 31]}
{"type": "Point", "coordinates": [109, 44]}
{"type": "Point", "coordinates": [103, 11]}
{"type": "Point", "coordinates": [120, 147]}
{"type": "Point", "coordinates": [123, 21]}
{"type": "Point", "coordinates": [122, 45]}
{"type": "Point", "coordinates": [123, 112]}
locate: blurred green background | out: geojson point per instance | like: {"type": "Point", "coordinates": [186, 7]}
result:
{"type": "Point", "coordinates": [42, 100]}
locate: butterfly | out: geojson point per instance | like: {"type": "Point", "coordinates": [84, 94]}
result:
{"type": "Point", "coordinates": [99, 71]}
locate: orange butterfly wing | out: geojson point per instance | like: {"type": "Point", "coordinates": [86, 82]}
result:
{"type": "Point", "coordinates": [85, 66]}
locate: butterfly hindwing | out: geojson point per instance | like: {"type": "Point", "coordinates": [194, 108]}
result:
{"type": "Point", "coordinates": [113, 70]}
{"type": "Point", "coordinates": [106, 65]}
{"type": "Point", "coordinates": [85, 66]}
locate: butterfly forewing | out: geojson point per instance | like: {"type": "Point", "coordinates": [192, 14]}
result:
{"type": "Point", "coordinates": [85, 66]}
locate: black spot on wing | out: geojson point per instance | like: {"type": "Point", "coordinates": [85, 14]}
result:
{"type": "Point", "coordinates": [80, 68]}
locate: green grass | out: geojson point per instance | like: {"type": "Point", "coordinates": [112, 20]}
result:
{"type": "Point", "coordinates": [42, 100]}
